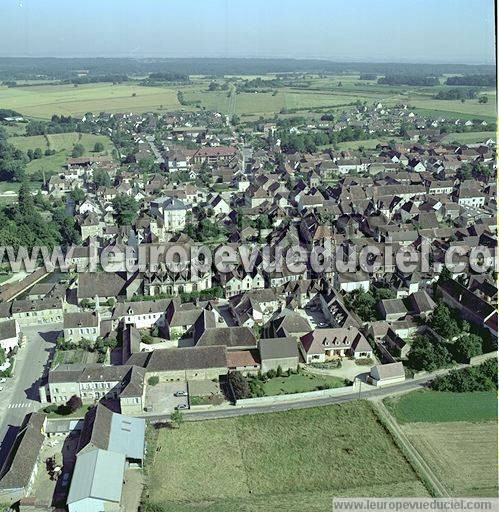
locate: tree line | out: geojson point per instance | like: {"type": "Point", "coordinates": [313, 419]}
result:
{"type": "Point", "coordinates": [403, 79]}
{"type": "Point", "coordinates": [478, 80]}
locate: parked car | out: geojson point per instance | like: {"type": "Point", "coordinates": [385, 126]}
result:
{"type": "Point", "coordinates": [180, 393]}
{"type": "Point", "coordinates": [181, 406]}
{"type": "Point", "coordinates": [3, 380]}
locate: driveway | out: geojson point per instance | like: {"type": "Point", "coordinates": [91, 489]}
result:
{"type": "Point", "coordinates": [160, 398]}
{"type": "Point", "coordinates": [349, 370]}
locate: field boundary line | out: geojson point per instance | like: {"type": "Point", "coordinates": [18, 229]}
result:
{"type": "Point", "coordinates": [416, 460]}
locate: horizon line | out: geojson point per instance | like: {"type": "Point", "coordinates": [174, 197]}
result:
{"type": "Point", "coordinates": [323, 59]}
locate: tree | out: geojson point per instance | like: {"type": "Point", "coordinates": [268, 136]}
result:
{"type": "Point", "coordinates": [78, 195]}
{"type": "Point", "coordinates": [445, 275]}
{"type": "Point", "coordinates": [98, 147]}
{"type": "Point", "coordinates": [443, 322]}
{"type": "Point", "coordinates": [25, 199]}
{"type": "Point", "coordinates": [78, 150]}
{"type": "Point", "coordinates": [126, 209]}
{"type": "Point", "coordinates": [363, 303]}
{"type": "Point", "coordinates": [239, 385]}
{"type": "Point", "coordinates": [427, 355]}
{"type": "Point", "coordinates": [101, 178]}
{"type": "Point", "coordinates": [37, 153]}
{"type": "Point", "coordinates": [467, 346]}
{"type": "Point", "coordinates": [483, 99]}
{"type": "Point", "coordinates": [74, 403]}
{"type": "Point", "coordinates": [177, 418]}
{"type": "Point", "coordinates": [153, 381]}
{"type": "Point", "coordinates": [476, 378]}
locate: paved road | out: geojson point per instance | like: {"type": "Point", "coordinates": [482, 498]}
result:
{"type": "Point", "coordinates": [20, 394]}
{"type": "Point", "coordinates": [232, 411]}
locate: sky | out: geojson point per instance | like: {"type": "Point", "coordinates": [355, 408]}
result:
{"type": "Point", "coordinates": [452, 31]}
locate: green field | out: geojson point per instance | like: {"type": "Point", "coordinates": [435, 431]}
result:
{"type": "Point", "coordinates": [308, 94]}
{"type": "Point", "coordinates": [435, 406]}
{"type": "Point", "coordinates": [45, 100]}
{"type": "Point", "coordinates": [62, 143]}
{"type": "Point", "coordinates": [469, 137]}
{"type": "Point", "coordinates": [295, 460]}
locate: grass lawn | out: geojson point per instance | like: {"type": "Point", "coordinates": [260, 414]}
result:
{"type": "Point", "coordinates": [463, 455]}
{"type": "Point", "coordinates": [79, 413]}
{"type": "Point", "coordinates": [299, 383]}
{"type": "Point", "coordinates": [78, 356]}
{"type": "Point", "coordinates": [295, 460]}
{"type": "Point", "coordinates": [436, 406]}
{"type": "Point", "coordinates": [366, 144]}
{"type": "Point", "coordinates": [63, 144]}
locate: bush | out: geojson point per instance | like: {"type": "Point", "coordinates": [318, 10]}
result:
{"type": "Point", "coordinates": [326, 385]}
{"type": "Point", "coordinates": [74, 403]}
{"type": "Point", "coordinates": [271, 374]}
{"type": "Point", "coordinates": [364, 361]}
{"type": "Point", "coordinates": [475, 378]}
{"type": "Point", "coordinates": [239, 385]}
{"type": "Point", "coordinates": [146, 338]}
{"type": "Point", "coordinates": [52, 408]}
{"type": "Point", "coordinates": [153, 381]}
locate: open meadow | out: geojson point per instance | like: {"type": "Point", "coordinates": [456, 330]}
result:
{"type": "Point", "coordinates": [295, 460]}
{"type": "Point", "coordinates": [63, 144]}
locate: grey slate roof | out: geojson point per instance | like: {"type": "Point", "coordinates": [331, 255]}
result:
{"type": "Point", "coordinates": [278, 348]}
{"type": "Point", "coordinates": [231, 337]}
{"type": "Point", "coordinates": [102, 284]}
{"type": "Point", "coordinates": [190, 358]}
{"type": "Point", "coordinates": [80, 319]}
{"type": "Point", "coordinates": [21, 461]}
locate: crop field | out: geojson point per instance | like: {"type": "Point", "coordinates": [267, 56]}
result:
{"type": "Point", "coordinates": [62, 143]}
{"type": "Point", "coordinates": [330, 92]}
{"type": "Point", "coordinates": [45, 100]}
{"type": "Point", "coordinates": [462, 455]}
{"type": "Point", "coordinates": [295, 460]}
{"type": "Point", "coordinates": [435, 406]}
